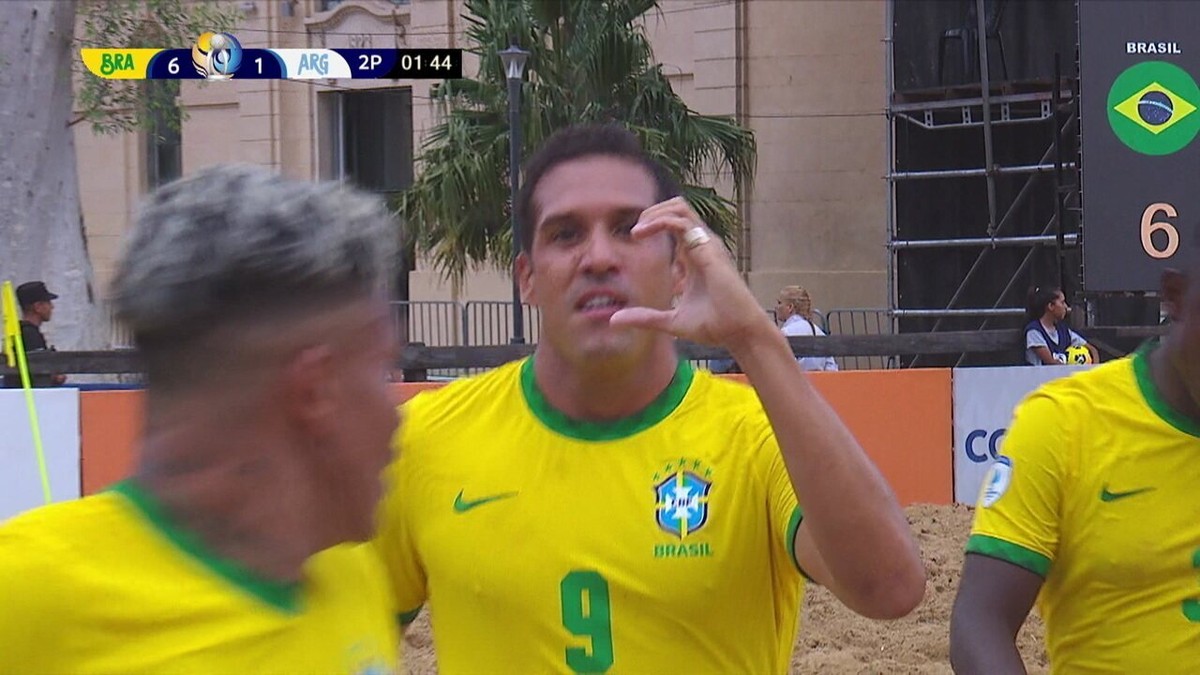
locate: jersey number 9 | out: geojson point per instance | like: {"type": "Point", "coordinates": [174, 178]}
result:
{"type": "Point", "coordinates": [585, 612]}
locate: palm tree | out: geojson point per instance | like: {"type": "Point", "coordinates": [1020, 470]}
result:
{"type": "Point", "coordinates": [590, 61]}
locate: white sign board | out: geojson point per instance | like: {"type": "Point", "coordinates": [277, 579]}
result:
{"type": "Point", "coordinates": [20, 479]}
{"type": "Point", "coordinates": [984, 399]}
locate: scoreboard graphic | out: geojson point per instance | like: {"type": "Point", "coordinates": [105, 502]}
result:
{"type": "Point", "coordinates": [1140, 117]}
{"type": "Point", "coordinates": [220, 56]}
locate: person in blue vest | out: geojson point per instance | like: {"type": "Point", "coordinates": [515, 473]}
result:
{"type": "Point", "coordinates": [1047, 335]}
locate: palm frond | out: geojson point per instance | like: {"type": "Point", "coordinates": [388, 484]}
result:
{"type": "Point", "coordinates": [590, 60]}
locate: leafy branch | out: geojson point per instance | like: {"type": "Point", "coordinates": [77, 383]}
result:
{"type": "Point", "coordinates": [115, 106]}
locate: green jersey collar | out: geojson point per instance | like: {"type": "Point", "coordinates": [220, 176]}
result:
{"type": "Point", "coordinates": [657, 411]}
{"type": "Point", "coordinates": [1154, 398]}
{"type": "Point", "coordinates": [282, 596]}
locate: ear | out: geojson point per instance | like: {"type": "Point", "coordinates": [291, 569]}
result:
{"type": "Point", "coordinates": [309, 391]}
{"type": "Point", "coordinates": [525, 278]}
{"type": "Point", "coordinates": [1174, 289]}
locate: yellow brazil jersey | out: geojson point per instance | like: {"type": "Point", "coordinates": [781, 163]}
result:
{"type": "Point", "coordinates": [1098, 491]}
{"type": "Point", "coordinates": [105, 584]}
{"type": "Point", "coordinates": [658, 543]}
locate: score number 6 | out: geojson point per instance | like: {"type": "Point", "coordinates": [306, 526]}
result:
{"type": "Point", "coordinates": [1150, 226]}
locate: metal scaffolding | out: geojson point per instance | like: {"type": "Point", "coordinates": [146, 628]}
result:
{"type": "Point", "coordinates": [985, 111]}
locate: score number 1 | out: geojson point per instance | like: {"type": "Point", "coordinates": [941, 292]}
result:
{"type": "Point", "coordinates": [1150, 226]}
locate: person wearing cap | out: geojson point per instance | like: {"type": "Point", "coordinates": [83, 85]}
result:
{"type": "Point", "coordinates": [37, 306]}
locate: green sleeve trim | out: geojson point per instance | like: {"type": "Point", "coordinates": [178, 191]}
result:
{"type": "Point", "coordinates": [406, 618]}
{"type": "Point", "coordinates": [1009, 552]}
{"type": "Point", "coordinates": [792, 528]}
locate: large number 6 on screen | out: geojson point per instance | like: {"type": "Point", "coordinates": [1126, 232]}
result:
{"type": "Point", "coordinates": [585, 612]}
{"type": "Point", "coordinates": [1149, 227]}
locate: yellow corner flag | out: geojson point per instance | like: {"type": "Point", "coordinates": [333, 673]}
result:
{"type": "Point", "coordinates": [12, 329]}
{"type": "Point", "coordinates": [14, 355]}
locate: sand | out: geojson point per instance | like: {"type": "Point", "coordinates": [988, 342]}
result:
{"type": "Point", "coordinates": [834, 640]}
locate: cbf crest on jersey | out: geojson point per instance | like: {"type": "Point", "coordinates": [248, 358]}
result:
{"type": "Point", "coordinates": [996, 483]}
{"type": "Point", "coordinates": [681, 502]}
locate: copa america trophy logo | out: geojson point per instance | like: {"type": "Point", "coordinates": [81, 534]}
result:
{"type": "Point", "coordinates": [216, 56]}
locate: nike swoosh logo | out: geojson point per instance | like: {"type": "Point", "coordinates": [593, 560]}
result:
{"type": "Point", "coordinates": [463, 505]}
{"type": "Point", "coordinates": [1106, 496]}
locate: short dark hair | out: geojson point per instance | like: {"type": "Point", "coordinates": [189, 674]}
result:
{"type": "Point", "coordinates": [586, 140]}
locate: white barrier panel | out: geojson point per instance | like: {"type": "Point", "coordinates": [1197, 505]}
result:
{"type": "Point", "coordinates": [984, 399]}
{"type": "Point", "coordinates": [20, 480]}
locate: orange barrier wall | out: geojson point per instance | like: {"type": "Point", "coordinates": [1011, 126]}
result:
{"type": "Point", "coordinates": [109, 425]}
{"type": "Point", "coordinates": [110, 422]}
{"type": "Point", "coordinates": [901, 417]}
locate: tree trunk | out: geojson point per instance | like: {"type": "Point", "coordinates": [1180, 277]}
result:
{"type": "Point", "coordinates": [42, 233]}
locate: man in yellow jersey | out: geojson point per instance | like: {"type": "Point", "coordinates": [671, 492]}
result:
{"type": "Point", "coordinates": [601, 507]}
{"type": "Point", "coordinates": [256, 304]}
{"type": "Point", "coordinates": [1094, 511]}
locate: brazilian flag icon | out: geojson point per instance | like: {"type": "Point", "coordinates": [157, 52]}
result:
{"type": "Point", "coordinates": [1152, 108]}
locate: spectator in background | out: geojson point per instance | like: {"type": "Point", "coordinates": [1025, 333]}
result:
{"type": "Point", "coordinates": [37, 306]}
{"type": "Point", "coordinates": [794, 309]}
{"type": "Point", "coordinates": [1047, 336]}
